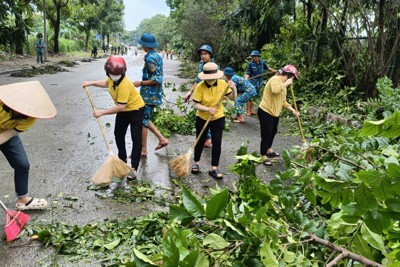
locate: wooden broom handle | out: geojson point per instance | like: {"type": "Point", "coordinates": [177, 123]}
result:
{"type": "Point", "coordinates": [298, 118]}
{"type": "Point", "coordinates": [103, 132]}
{"type": "Point", "coordinates": [209, 118]}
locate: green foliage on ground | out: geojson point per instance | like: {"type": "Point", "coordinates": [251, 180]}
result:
{"type": "Point", "coordinates": [343, 188]}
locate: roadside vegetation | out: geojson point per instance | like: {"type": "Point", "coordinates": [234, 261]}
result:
{"type": "Point", "coordinates": [337, 200]}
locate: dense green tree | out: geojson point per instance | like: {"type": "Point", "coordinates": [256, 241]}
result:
{"type": "Point", "coordinates": [86, 18]}
{"type": "Point", "coordinates": [15, 18]}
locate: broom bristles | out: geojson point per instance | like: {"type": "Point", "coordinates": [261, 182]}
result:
{"type": "Point", "coordinates": [14, 224]}
{"type": "Point", "coordinates": [112, 167]}
{"type": "Point", "coordinates": [180, 164]}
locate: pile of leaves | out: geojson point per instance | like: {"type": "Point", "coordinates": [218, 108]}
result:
{"type": "Point", "coordinates": [68, 63]}
{"type": "Point", "coordinates": [48, 69]}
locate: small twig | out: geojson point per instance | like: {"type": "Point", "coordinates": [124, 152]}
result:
{"type": "Point", "coordinates": [298, 165]}
{"type": "Point", "coordinates": [330, 257]}
{"type": "Point", "coordinates": [341, 256]}
{"type": "Point", "coordinates": [339, 157]}
{"type": "Point", "coordinates": [367, 159]}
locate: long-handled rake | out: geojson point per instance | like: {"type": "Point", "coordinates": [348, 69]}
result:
{"type": "Point", "coordinates": [113, 166]}
{"type": "Point", "coordinates": [180, 164]}
{"type": "Point", "coordinates": [298, 118]}
{"type": "Point", "coordinates": [14, 223]}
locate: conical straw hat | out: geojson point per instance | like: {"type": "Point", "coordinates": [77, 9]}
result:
{"type": "Point", "coordinates": [28, 98]}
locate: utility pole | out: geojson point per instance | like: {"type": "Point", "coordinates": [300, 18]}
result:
{"type": "Point", "coordinates": [44, 30]}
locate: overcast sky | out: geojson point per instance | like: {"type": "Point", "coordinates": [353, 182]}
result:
{"type": "Point", "coordinates": [137, 10]}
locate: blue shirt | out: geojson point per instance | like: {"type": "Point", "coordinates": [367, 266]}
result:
{"type": "Point", "coordinates": [39, 46]}
{"type": "Point", "coordinates": [242, 84]}
{"type": "Point", "coordinates": [153, 71]}
{"type": "Point", "coordinates": [254, 69]}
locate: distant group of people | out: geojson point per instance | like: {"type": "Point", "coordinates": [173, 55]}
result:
{"type": "Point", "coordinates": [169, 54]}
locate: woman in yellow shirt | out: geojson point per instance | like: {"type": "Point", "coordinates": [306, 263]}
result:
{"type": "Point", "coordinates": [129, 107]}
{"type": "Point", "coordinates": [270, 108]}
{"type": "Point", "coordinates": [206, 95]}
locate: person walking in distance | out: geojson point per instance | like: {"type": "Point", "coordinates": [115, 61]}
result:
{"type": "Point", "coordinates": [151, 89]}
{"type": "Point", "coordinates": [39, 49]}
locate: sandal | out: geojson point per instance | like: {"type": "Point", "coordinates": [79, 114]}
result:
{"type": "Point", "coordinates": [267, 162]}
{"type": "Point", "coordinates": [195, 169]}
{"type": "Point", "coordinates": [238, 121]}
{"type": "Point", "coordinates": [272, 154]}
{"type": "Point", "coordinates": [131, 176]}
{"type": "Point", "coordinates": [33, 204]}
{"type": "Point", "coordinates": [216, 174]}
{"type": "Point", "coordinates": [208, 143]}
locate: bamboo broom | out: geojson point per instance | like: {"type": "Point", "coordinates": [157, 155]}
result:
{"type": "Point", "coordinates": [113, 166]}
{"type": "Point", "coordinates": [298, 118]}
{"type": "Point", "coordinates": [180, 164]}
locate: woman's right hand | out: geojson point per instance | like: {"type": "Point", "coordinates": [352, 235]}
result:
{"type": "Point", "coordinates": [289, 81]}
{"type": "Point", "coordinates": [212, 110]}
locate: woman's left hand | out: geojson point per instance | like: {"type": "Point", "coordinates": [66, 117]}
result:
{"type": "Point", "coordinates": [296, 113]}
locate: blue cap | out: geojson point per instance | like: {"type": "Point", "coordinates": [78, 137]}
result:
{"type": "Point", "coordinates": [206, 48]}
{"type": "Point", "coordinates": [148, 40]}
{"type": "Point", "coordinates": [255, 53]}
{"type": "Point", "coordinates": [229, 71]}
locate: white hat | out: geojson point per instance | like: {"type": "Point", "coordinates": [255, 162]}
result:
{"type": "Point", "coordinates": [28, 98]}
{"type": "Point", "coordinates": [210, 72]}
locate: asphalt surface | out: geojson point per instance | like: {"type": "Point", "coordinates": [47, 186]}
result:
{"type": "Point", "coordinates": [64, 153]}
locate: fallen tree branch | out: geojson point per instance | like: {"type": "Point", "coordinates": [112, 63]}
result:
{"type": "Point", "coordinates": [344, 253]}
{"type": "Point", "coordinates": [339, 157]}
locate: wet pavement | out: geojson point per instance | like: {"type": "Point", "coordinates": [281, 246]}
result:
{"type": "Point", "coordinates": [65, 152]}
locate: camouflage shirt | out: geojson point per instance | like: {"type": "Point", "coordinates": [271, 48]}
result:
{"type": "Point", "coordinates": [152, 70]}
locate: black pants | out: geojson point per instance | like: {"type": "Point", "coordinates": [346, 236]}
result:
{"type": "Point", "coordinates": [269, 128]}
{"type": "Point", "coordinates": [216, 127]}
{"type": "Point", "coordinates": [134, 119]}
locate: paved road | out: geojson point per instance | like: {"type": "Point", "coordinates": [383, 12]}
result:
{"type": "Point", "coordinates": [64, 152]}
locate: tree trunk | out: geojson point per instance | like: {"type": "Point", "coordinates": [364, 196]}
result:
{"type": "Point", "coordinates": [322, 35]}
{"type": "Point", "coordinates": [57, 29]}
{"type": "Point", "coordinates": [20, 33]}
{"type": "Point", "coordinates": [87, 35]}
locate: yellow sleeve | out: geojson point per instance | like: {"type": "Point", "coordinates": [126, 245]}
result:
{"type": "Point", "coordinates": [24, 125]}
{"type": "Point", "coordinates": [228, 92]}
{"type": "Point", "coordinates": [198, 93]}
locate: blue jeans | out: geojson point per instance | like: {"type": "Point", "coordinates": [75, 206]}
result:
{"type": "Point", "coordinates": [15, 154]}
{"type": "Point", "coordinates": [39, 56]}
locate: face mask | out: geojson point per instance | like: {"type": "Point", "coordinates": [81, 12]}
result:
{"type": "Point", "coordinates": [114, 77]}
{"type": "Point", "coordinates": [211, 82]}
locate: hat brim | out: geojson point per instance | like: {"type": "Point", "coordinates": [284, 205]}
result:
{"type": "Point", "coordinates": [29, 99]}
{"type": "Point", "coordinates": [219, 74]}
{"type": "Point", "coordinates": [149, 45]}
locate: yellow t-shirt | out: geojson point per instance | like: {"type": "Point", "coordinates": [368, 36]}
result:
{"type": "Point", "coordinates": [209, 96]}
{"type": "Point", "coordinates": [274, 96]}
{"type": "Point", "coordinates": [125, 93]}
{"type": "Point", "coordinates": [9, 121]}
